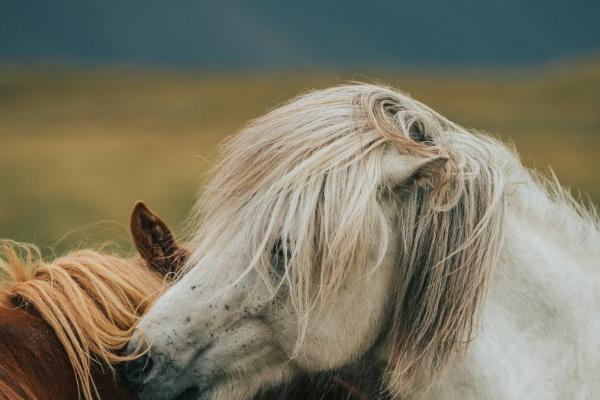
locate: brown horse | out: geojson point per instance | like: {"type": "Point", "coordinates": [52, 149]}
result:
{"type": "Point", "coordinates": [62, 324]}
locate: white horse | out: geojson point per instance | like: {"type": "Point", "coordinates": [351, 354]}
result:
{"type": "Point", "coordinates": [356, 222]}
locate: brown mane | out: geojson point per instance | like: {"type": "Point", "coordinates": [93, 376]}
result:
{"type": "Point", "coordinates": [90, 300]}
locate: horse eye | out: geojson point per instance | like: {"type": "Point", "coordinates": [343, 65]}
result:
{"type": "Point", "coordinates": [279, 257]}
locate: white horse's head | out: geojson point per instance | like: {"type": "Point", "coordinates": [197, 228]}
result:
{"type": "Point", "coordinates": [351, 222]}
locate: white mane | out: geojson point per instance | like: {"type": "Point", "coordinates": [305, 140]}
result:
{"type": "Point", "coordinates": [306, 184]}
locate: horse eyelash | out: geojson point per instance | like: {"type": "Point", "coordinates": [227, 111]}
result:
{"type": "Point", "coordinates": [278, 256]}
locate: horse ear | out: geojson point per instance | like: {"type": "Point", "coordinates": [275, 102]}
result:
{"type": "Point", "coordinates": [402, 171]}
{"type": "Point", "coordinates": [154, 241]}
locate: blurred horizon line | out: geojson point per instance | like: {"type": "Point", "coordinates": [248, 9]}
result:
{"type": "Point", "coordinates": [59, 67]}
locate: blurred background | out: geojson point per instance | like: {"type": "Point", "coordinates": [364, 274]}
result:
{"type": "Point", "coordinates": [106, 102]}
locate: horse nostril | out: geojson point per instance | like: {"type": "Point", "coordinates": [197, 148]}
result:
{"type": "Point", "coordinates": [139, 367]}
{"type": "Point", "coordinates": [136, 370]}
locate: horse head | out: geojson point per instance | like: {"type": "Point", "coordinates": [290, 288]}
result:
{"type": "Point", "coordinates": [351, 222]}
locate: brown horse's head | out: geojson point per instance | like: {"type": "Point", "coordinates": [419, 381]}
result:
{"type": "Point", "coordinates": [63, 323]}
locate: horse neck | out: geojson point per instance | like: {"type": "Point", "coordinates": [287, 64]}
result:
{"type": "Point", "coordinates": [34, 365]}
{"type": "Point", "coordinates": [537, 319]}
{"type": "Point", "coordinates": [543, 218]}
{"type": "Point", "coordinates": [549, 265]}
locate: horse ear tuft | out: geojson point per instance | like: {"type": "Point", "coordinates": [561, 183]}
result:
{"type": "Point", "coordinates": [405, 171]}
{"type": "Point", "coordinates": [154, 241]}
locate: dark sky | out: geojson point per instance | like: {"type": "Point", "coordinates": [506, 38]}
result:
{"type": "Point", "coordinates": [297, 34]}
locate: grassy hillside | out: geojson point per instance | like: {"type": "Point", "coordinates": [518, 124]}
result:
{"type": "Point", "coordinates": [77, 149]}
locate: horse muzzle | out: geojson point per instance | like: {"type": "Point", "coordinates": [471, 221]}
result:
{"type": "Point", "coordinates": [154, 376]}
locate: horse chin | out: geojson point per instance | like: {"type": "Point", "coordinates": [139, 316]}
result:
{"type": "Point", "coordinates": [191, 393]}
{"type": "Point", "coordinates": [217, 391]}
{"type": "Point", "coordinates": [240, 385]}
{"type": "Point", "coordinates": [231, 387]}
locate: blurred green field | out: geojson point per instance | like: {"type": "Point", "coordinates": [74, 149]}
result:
{"type": "Point", "coordinates": [77, 149]}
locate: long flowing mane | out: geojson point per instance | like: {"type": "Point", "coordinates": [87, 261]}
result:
{"type": "Point", "coordinates": [306, 175]}
{"type": "Point", "coordinates": [90, 300]}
